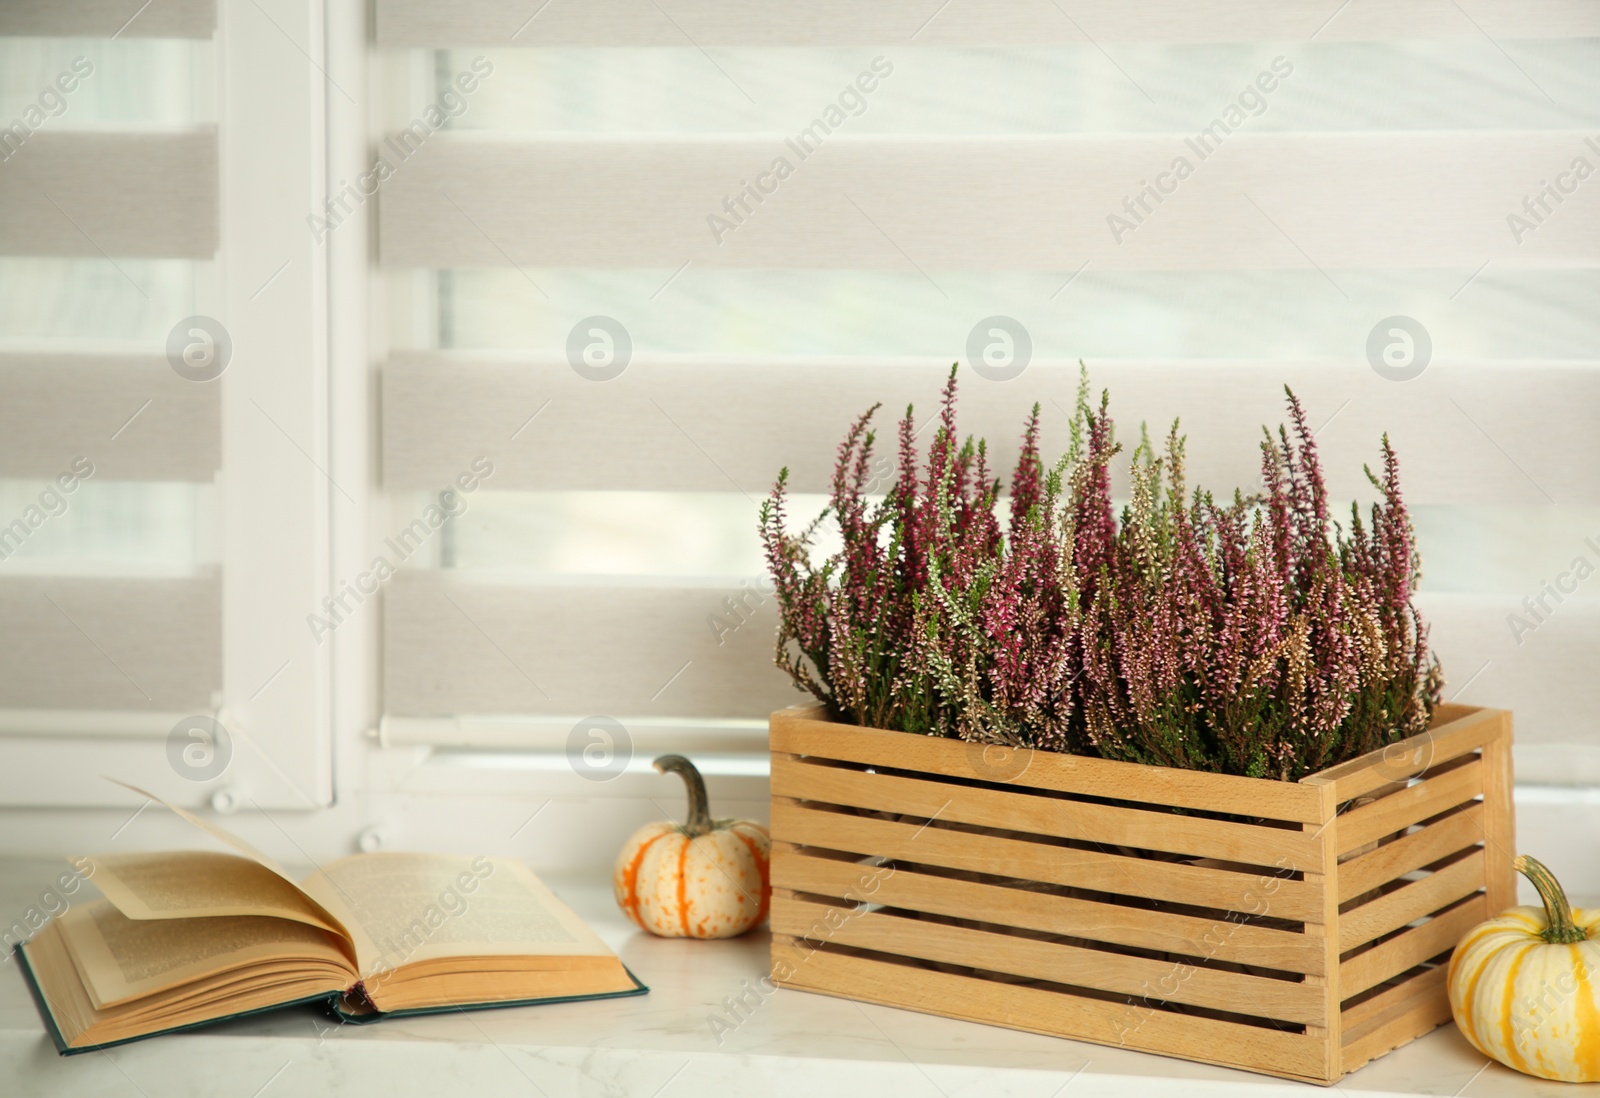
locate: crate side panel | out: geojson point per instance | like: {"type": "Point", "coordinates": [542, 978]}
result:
{"type": "Point", "coordinates": [1039, 1010]}
{"type": "Point", "coordinates": [1239, 891]}
{"type": "Point", "coordinates": [1411, 852]}
{"type": "Point", "coordinates": [1026, 768]}
{"type": "Point", "coordinates": [1446, 740]}
{"type": "Point", "coordinates": [1363, 1017]}
{"type": "Point", "coordinates": [1055, 961]}
{"type": "Point", "coordinates": [1411, 901]}
{"type": "Point", "coordinates": [1051, 816]}
{"type": "Point", "coordinates": [1426, 1008]}
{"type": "Point", "coordinates": [1394, 813]}
{"type": "Point", "coordinates": [1142, 928]}
{"type": "Point", "coordinates": [1410, 949]}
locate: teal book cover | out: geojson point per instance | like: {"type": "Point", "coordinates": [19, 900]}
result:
{"type": "Point", "coordinates": [351, 1007]}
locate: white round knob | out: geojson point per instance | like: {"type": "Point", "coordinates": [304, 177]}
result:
{"type": "Point", "coordinates": [227, 800]}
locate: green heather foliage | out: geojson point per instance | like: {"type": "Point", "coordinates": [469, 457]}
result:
{"type": "Point", "coordinates": [1248, 636]}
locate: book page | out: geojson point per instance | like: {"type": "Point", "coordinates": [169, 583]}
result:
{"type": "Point", "coordinates": [225, 837]}
{"type": "Point", "coordinates": [122, 959]}
{"type": "Point", "coordinates": [327, 918]}
{"type": "Point", "coordinates": [182, 884]}
{"type": "Point", "coordinates": [413, 907]}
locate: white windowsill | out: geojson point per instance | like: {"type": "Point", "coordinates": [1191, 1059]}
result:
{"type": "Point", "coordinates": [792, 1043]}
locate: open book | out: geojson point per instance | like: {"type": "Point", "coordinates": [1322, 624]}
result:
{"type": "Point", "coordinates": [185, 938]}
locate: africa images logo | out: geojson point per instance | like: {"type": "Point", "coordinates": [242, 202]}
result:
{"type": "Point", "coordinates": [1252, 102]}
{"type": "Point", "coordinates": [402, 146]}
{"type": "Point", "coordinates": [852, 102]}
{"type": "Point", "coordinates": [349, 594]}
{"type": "Point", "coordinates": [50, 103]}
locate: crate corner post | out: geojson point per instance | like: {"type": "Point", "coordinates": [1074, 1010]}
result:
{"type": "Point", "coordinates": [1499, 821]}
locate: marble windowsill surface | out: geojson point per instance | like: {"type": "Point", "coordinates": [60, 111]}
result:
{"type": "Point", "coordinates": [662, 1045]}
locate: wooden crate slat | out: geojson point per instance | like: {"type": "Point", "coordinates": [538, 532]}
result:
{"type": "Point", "coordinates": [1202, 886]}
{"type": "Point", "coordinates": [1425, 1008]}
{"type": "Point", "coordinates": [1447, 739]}
{"type": "Point", "coordinates": [1222, 939]}
{"type": "Point", "coordinates": [1391, 860]}
{"type": "Point", "coordinates": [1097, 823]}
{"type": "Point", "coordinates": [1058, 962]}
{"type": "Point", "coordinates": [801, 731]}
{"type": "Point", "coordinates": [1386, 961]}
{"type": "Point", "coordinates": [1411, 902]}
{"type": "Point", "coordinates": [1357, 1018]}
{"type": "Point", "coordinates": [1040, 1010]}
{"type": "Point", "coordinates": [1448, 712]}
{"type": "Point", "coordinates": [1411, 805]}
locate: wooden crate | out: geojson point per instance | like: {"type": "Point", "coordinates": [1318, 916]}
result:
{"type": "Point", "coordinates": [1294, 928]}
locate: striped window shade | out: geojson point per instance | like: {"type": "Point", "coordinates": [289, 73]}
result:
{"type": "Point", "coordinates": [758, 222]}
{"type": "Point", "coordinates": [108, 228]}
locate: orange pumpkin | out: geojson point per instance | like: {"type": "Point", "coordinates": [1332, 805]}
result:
{"type": "Point", "coordinates": [704, 878]}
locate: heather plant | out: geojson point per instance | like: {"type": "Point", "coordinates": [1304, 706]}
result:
{"type": "Point", "coordinates": [1252, 637]}
{"type": "Point", "coordinates": [992, 629]}
{"type": "Point", "coordinates": [929, 619]}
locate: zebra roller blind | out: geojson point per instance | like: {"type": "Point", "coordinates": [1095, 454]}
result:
{"type": "Point", "coordinates": [647, 254]}
{"type": "Point", "coordinates": [109, 186]}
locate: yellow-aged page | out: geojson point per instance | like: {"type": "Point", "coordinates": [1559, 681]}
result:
{"type": "Point", "coordinates": [402, 908]}
{"type": "Point", "coordinates": [121, 959]}
{"type": "Point", "coordinates": [179, 884]}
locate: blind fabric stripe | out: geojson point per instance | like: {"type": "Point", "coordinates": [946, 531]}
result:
{"type": "Point", "coordinates": [1479, 433]}
{"type": "Point", "coordinates": [455, 646]}
{"type": "Point", "coordinates": [104, 18]}
{"type": "Point", "coordinates": [1544, 675]}
{"type": "Point", "coordinates": [111, 194]}
{"type": "Point", "coordinates": [132, 416]}
{"type": "Point", "coordinates": [1254, 201]}
{"type": "Point", "coordinates": [110, 642]}
{"type": "Point", "coordinates": [463, 647]}
{"type": "Point", "coordinates": [711, 23]}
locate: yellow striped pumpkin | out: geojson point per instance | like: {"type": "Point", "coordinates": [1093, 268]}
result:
{"type": "Point", "coordinates": [704, 878]}
{"type": "Point", "coordinates": [1525, 987]}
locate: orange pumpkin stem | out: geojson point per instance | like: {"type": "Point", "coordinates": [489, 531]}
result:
{"type": "Point", "coordinates": [1557, 910]}
{"type": "Point", "coordinates": [699, 821]}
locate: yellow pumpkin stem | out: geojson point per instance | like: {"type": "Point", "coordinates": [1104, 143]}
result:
{"type": "Point", "coordinates": [1557, 910]}
{"type": "Point", "coordinates": [699, 821]}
